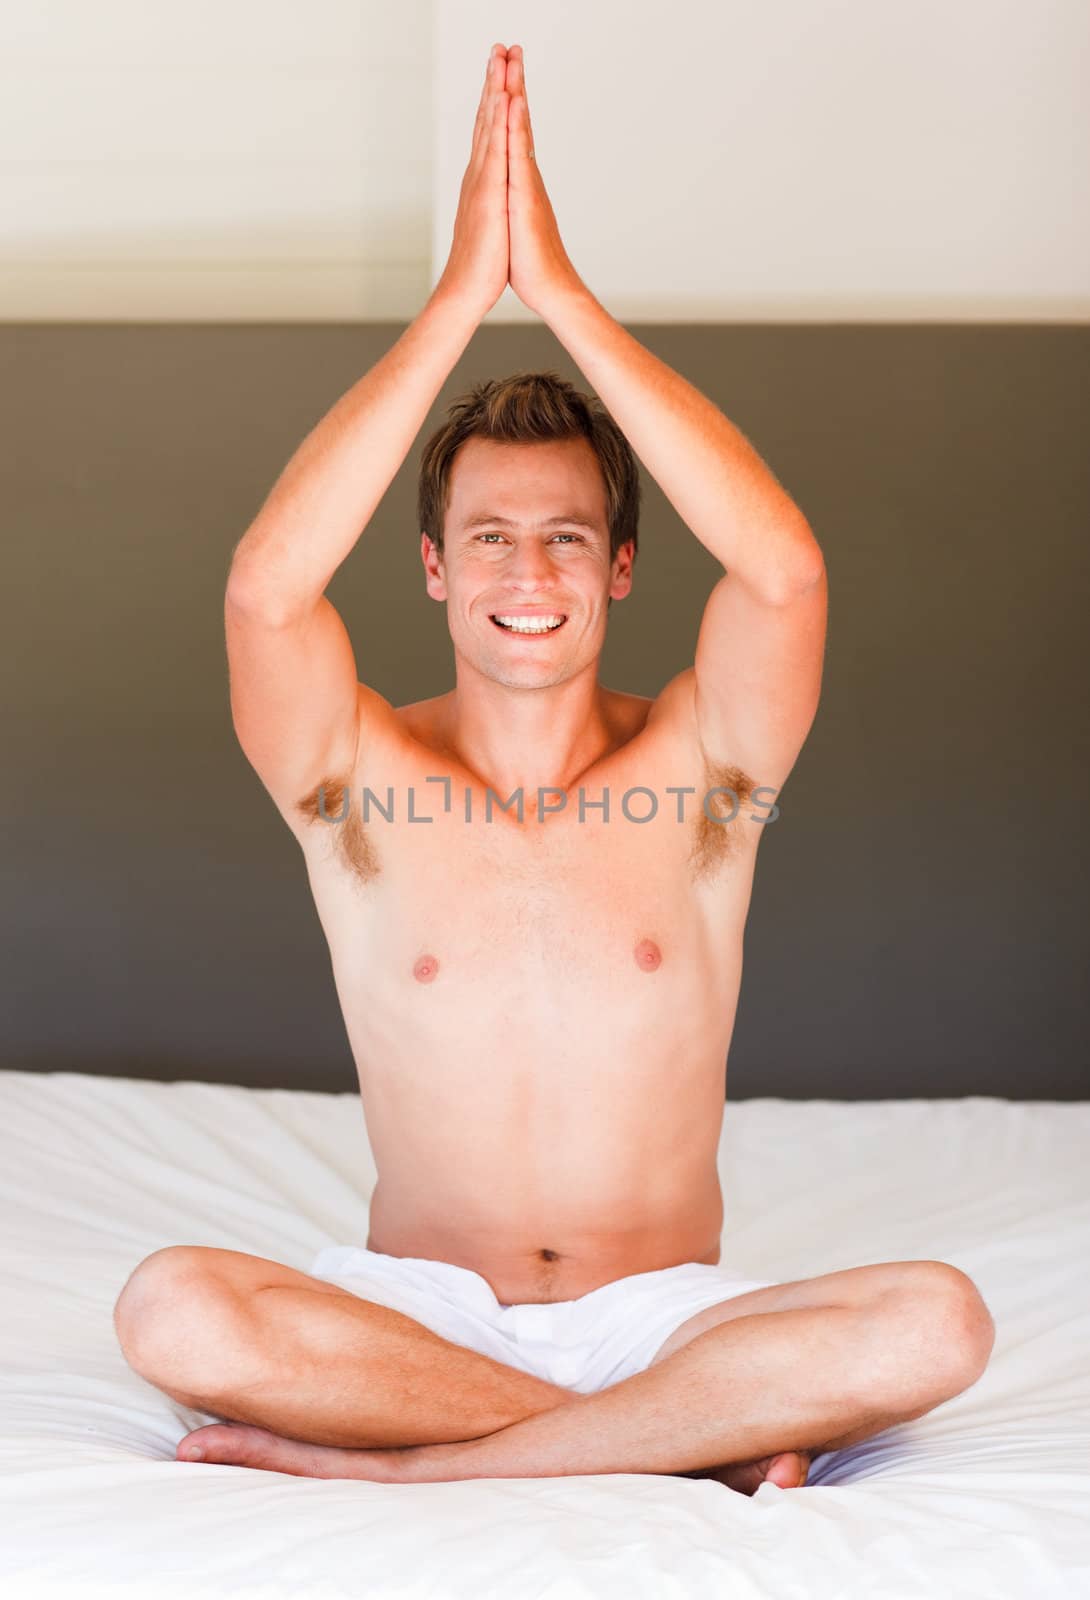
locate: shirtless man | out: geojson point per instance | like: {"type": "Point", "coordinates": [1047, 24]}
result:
{"type": "Point", "coordinates": [540, 1000]}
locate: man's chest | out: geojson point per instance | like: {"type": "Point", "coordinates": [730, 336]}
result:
{"type": "Point", "coordinates": [683, 825]}
{"type": "Point", "coordinates": [595, 905]}
{"type": "Point", "coordinates": [576, 977]}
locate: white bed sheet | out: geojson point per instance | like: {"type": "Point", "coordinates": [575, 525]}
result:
{"type": "Point", "coordinates": [987, 1496]}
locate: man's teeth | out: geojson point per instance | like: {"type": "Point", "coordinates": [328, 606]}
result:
{"type": "Point", "coordinates": [529, 624]}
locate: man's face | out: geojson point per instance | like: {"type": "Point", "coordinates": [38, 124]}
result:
{"type": "Point", "coordinates": [526, 530]}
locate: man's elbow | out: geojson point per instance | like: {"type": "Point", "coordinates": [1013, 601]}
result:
{"type": "Point", "coordinates": [812, 570]}
{"type": "Point", "coordinates": [800, 570]}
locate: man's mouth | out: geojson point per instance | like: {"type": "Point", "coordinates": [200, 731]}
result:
{"type": "Point", "coordinates": [531, 625]}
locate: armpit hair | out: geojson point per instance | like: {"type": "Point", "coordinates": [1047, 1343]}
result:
{"type": "Point", "coordinates": [343, 816]}
{"type": "Point", "coordinates": [717, 842]}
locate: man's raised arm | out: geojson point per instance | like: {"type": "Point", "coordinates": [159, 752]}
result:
{"type": "Point", "coordinates": [296, 701]}
{"type": "Point", "coordinates": [329, 489]}
{"type": "Point", "coordinates": [717, 483]}
{"type": "Point", "coordinates": [759, 655]}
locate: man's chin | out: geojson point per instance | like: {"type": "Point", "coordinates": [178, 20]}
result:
{"type": "Point", "coordinates": [522, 671]}
{"type": "Point", "coordinates": [528, 678]}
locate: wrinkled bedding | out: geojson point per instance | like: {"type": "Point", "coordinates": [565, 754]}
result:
{"type": "Point", "coordinates": [986, 1496]}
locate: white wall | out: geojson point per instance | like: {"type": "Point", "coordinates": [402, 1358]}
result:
{"type": "Point", "coordinates": [215, 159]}
{"type": "Point", "coordinates": [799, 159]}
{"type": "Point", "coordinates": [711, 159]}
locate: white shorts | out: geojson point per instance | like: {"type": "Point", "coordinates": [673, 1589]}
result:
{"type": "Point", "coordinates": [584, 1345]}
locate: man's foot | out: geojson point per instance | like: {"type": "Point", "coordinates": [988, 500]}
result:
{"type": "Point", "coordinates": [240, 1444]}
{"type": "Point", "coordinates": [787, 1470]}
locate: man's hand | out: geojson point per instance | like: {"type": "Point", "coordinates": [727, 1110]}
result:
{"type": "Point", "coordinates": [540, 269]}
{"type": "Point", "coordinates": [477, 268]}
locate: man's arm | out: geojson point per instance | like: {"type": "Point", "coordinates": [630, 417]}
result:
{"type": "Point", "coordinates": [329, 489]}
{"type": "Point", "coordinates": [298, 709]}
{"type": "Point", "coordinates": [759, 655]}
{"type": "Point", "coordinates": [761, 647]}
{"type": "Point", "coordinates": [328, 492]}
{"type": "Point", "coordinates": [761, 644]}
{"type": "Point", "coordinates": [708, 470]}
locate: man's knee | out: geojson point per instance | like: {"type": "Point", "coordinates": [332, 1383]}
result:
{"type": "Point", "coordinates": [933, 1338]}
{"type": "Point", "coordinates": [964, 1323]}
{"type": "Point", "coordinates": [181, 1323]}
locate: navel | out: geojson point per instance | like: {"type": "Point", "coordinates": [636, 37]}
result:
{"type": "Point", "coordinates": [550, 1255]}
{"type": "Point", "coordinates": [425, 969]}
{"type": "Point", "coordinates": [648, 955]}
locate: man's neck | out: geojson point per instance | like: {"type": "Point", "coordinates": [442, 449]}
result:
{"type": "Point", "coordinates": [524, 738]}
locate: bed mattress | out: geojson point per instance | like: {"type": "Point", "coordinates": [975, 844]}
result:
{"type": "Point", "coordinates": [986, 1496]}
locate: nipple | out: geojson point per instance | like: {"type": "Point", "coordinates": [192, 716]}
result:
{"type": "Point", "coordinates": [425, 969]}
{"type": "Point", "coordinates": [648, 955]}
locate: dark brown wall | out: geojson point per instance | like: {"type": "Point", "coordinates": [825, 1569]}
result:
{"type": "Point", "coordinates": [919, 913]}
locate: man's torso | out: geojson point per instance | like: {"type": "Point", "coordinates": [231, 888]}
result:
{"type": "Point", "coordinates": [540, 1011]}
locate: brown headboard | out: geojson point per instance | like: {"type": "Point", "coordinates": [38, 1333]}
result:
{"type": "Point", "coordinates": [918, 925]}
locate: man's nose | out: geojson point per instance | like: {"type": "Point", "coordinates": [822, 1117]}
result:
{"type": "Point", "coordinates": [531, 564]}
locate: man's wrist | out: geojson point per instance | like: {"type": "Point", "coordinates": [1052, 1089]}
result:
{"type": "Point", "coordinates": [568, 295]}
{"type": "Point", "coordinates": [456, 305]}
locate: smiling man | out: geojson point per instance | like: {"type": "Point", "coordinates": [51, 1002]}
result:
{"type": "Point", "coordinates": [534, 890]}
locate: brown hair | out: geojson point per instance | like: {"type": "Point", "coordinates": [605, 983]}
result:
{"type": "Point", "coordinates": [521, 409]}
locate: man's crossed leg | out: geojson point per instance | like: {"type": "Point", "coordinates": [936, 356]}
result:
{"type": "Point", "coordinates": [332, 1385]}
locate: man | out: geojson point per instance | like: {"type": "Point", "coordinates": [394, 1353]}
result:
{"type": "Point", "coordinates": [538, 983]}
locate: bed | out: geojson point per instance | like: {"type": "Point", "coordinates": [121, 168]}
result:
{"type": "Point", "coordinates": [987, 1496]}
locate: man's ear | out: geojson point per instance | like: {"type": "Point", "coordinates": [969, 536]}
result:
{"type": "Point", "coordinates": [434, 568]}
{"type": "Point", "coordinates": [623, 563]}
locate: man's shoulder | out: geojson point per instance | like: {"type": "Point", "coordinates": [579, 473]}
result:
{"type": "Point", "coordinates": [421, 718]}
{"type": "Point", "coordinates": [674, 707]}
{"type": "Point", "coordinates": [659, 726]}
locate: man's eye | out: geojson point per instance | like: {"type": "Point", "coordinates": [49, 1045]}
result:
{"type": "Point", "coordinates": [575, 536]}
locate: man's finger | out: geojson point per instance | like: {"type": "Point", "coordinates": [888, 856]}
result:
{"type": "Point", "coordinates": [497, 142]}
{"type": "Point", "coordinates": [520, 143]}
{"type": "Point", "coordinates": [484, 110]}
{"type": "Point", "coordinates": [482, 104]}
